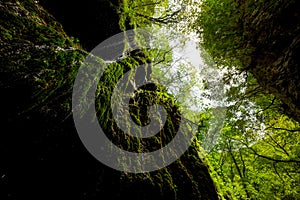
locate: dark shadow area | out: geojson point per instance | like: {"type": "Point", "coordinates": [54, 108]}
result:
{"type": "Point", "coordinates": [91, 21]}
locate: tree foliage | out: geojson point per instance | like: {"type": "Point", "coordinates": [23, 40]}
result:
{"type": "Point", "coordinates": [257, 154]}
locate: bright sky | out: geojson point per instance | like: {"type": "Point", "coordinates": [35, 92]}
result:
{"type": "Point", "coordinates": [196, 98]}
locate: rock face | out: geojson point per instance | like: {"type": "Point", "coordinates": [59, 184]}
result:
{"type": "Point", "coordinates": [275, 60]}
{"type": "Point", "coordinates": [41, 153]}
{"type": "Point", "coordinates": [92, 21]}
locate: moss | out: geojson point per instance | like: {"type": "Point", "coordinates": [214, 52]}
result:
{"type": "Point", "coordinates": [188, 177]}
{"type": "Point", "coordinates": [28, 22]}
{"type": "Point", "coordinates": [40, 63]}
{"type": "Point", "coordinates": [34, 48]}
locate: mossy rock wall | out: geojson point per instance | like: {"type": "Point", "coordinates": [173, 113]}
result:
{"type": "Point", "coordinates": [275, 61]}
{"type": "Point", "coordinates": [42, 155]}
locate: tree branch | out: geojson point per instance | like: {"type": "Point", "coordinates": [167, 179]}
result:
{"type": "Point", "coordinates": [273, 159]}
{"type": "Point", "coordinates": [284, 129]}
{"type": "Point", "coordinates": [164, 20]}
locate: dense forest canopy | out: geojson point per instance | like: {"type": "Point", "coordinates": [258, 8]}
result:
{"type": "Point", "coordinates": [259, 152]}
{"type": "Point", "coordinates": [240, 98]}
